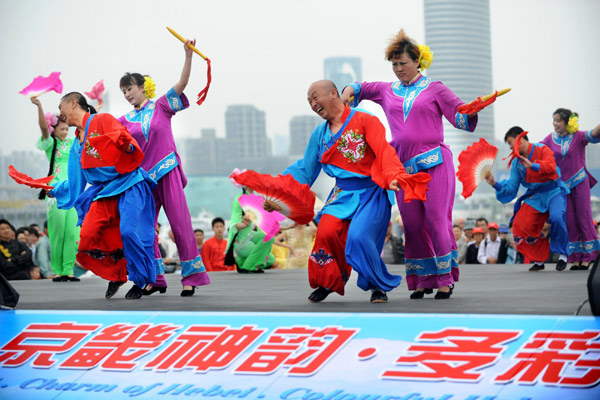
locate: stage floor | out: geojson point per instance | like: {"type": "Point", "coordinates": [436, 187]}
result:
{"type": "Point", "coordinates": [492, 289]}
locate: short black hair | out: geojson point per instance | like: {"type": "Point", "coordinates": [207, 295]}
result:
{"type": "Point", "coordinates": [514, 132]}
{"type": "Point", "coordinates": [199, 230]}
{"type": "Point", "coordinates": [481, 219]}
{"type": "Point", "coordinates": [216, 220]}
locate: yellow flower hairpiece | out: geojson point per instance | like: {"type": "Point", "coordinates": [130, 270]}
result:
{"type": "Point", "coordinates": [149, 87]}
{"type": "Point", "coordinates": [573, 125]}
{"type": "Point", "coordinates": [425, 56]}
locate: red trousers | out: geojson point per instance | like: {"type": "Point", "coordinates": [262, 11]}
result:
{"type": "Point", "coordinates": [527, 231]}
{"type": "Point", "coordinates": [327, 266]}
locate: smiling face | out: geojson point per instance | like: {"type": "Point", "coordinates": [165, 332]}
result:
{"type": "Point", "coordinates": [66, 110]}
{"type": "Point", "coordinates": [134, 94]}
{"type": "Point", "coordinates": [559, 124]}
{"type": "Point", "coordinates": [61, 130]}
{"type": "Point", "coordinates": [5, 232]}
{"type": "Point", "coordinates": [405, 68]}
{"type": "Point", "coordinates": [321, 99]}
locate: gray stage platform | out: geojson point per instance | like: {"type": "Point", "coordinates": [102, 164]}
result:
{"type": "Point", "coordinates": [494, 289]}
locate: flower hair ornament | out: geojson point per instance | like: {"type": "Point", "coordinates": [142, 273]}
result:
{"type": "Point", "coordinates": [149, 87]}
{"type": "Point", "coordinates": [51, 120]}
{"type": "Point", "coordinates": [425, 56]}
{"type": "Point", "coordinates": [573, 125]}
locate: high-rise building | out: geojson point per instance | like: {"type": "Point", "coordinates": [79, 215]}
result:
{"type": "Point", "coordinates": [245, 126]}
{"type": "Point", "coordinates": [301, 126]}
{"type": "Point", "coordinates": [458, 33]}
{"type": "Point", "coordinates": [343, 70]}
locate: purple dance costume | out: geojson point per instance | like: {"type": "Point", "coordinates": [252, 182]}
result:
{"type": "Point", "coordinates": [414, 113]}
{"type": "Point", "coordinates": [151, 127]}
{"type": "Point", "coordinates": [569, 152]}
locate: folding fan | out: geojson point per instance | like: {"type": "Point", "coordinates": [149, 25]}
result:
{"type": "Point", "coordinates": [282, 192]}
{"type": "Point", "coordinates": [268, 222]}
{"type": "Point", "coordinates": [473, 165]}
{"type": "Point", "coordinates": [21, 178]}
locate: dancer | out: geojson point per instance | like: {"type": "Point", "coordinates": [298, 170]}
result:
{"type": "Point", "coordinates": [351, 147]}
{"type": "Point", "coordinates": [545, 200]}
{"type": "Point", "coordinates": [150, 124]}
{"type": "Point", "coordinates": [568, 145]}
{"type": "Point", "coordinates": [116, 209]}
{"type": "Point", "coordinates": [414, 106]}
{"type": "Point", "coordinates": [62, 224]}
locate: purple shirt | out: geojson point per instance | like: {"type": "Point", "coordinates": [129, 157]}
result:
{"type": "Point", "coordinates": [569, 153]}
{"type": "Point", "coordinates": [414, 113]}
{"type": "Point", "coordinates": [151, 127]}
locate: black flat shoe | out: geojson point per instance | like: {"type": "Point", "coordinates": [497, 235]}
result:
{"type": "Point", "coordinates": [536, 267]}
{"type": "Point", "coordinates": [188, 292]}
{"type": "Point", "coordinates": [72, 279]}
{"type": "Point", "coordinates": [148, 292]}
{"type": "Point", "coordinates": [575, 267]}
{"type": "Point", "coordinates": [584, 267]}
{"type": "Point", "coordinates": [378, 297]}
{"type": "Point", "coordinates": [57, 279]}
{"type": "Point", "coordinates": [417, 294]}
{"type": "Point", "coordinates": [113, 288]}
{"type": "Point", "coordinates": [134, 293]}
{"type": "Point", "coordinates": [561, 265]}
{"type": "Point", "coordinates": [319, 294]}
{"type": "Point", "coordinates": [258, 271]}
{"type": "Point", "coordinates": [442, 295]}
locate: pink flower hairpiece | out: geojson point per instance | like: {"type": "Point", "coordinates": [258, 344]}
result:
{"type": "Point", "coordinates": [51, 120]}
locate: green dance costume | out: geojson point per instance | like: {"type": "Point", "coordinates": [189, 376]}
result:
{"type": "Point", "coordinates": [62, 224]}
{"type": "Point", "coordinates": [251, 253]}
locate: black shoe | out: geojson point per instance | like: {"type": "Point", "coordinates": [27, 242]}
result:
{"type": "Point", "coordinates": [428, 291]}
{"type": "Point", "coordinates": [57, 279]}
{"type": "Point", "coordinates": [113, 288]}
{"type": "Point", "coordinates": [134, 293]}
{"type": "Point", "coordinates": [561, 265]}
{"type": "Point", "coordinates": [575, 267]}
{"type": "Point", "coordinates": [188, 292]}
{"type": "Point", "coordinates": [418, 294]}
{"type": "Point", "coordinates": [64, 278]}
{"type": "Point", "coordinates": [148, 292]}
{"type": "Point", "coordinates": [319, 294]}
{"type": "Point", "coordinates": [584, 267]}
{"type": "Point", "coordinates": [242, 271]}
{"type": "Point", "coordinates": [72, 279]}
{"type": "Point", "coordinates": [451, 288]}
{"type": "Point", "coordinates": [443, 295]}
{"type": "Point", "coordinates": [378, 297]}
{"type": "Point", "coordinates": [536, 267]}
{"type": "Point", "coordinates": [258, 271]}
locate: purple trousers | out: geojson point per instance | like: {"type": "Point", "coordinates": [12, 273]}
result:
{"type": "Point", "coordinates": [169, 195]}
{"type": "Point", "coordinates": [580, 224]}
{"type": "Point", "coordinates": [430, 249]}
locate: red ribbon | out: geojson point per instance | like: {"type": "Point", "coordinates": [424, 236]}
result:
{"type": "Point", "coordinates": [204, 92]}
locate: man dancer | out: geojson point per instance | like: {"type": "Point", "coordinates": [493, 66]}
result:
{"type": "Point", "coordinates": [351, 147]}
{"type": "Point", "coordinates": [545, 200]}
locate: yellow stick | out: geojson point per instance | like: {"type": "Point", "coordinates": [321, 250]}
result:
{"type": "Point", "coordinates": [500, 93]}
{"type": "Point", "coordinates": [178, 36]}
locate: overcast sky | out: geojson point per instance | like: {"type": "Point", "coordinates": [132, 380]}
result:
{"type": "Point", "coordinates": [267, 53]}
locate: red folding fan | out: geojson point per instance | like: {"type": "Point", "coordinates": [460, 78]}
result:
{"type": "Point", "coordinates": [21, 178]}
{"type": "Point", "coordinates": [473, 165]}
{"type": "Point", "coordinates": [282, 192]}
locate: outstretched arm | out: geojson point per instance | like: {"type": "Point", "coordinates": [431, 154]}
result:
{"type": "Point", "coordinates": [596, 131]}
{"type": "Point", "coordinates": [41, 118]}
{"type": "Point", "coordinates": [179, 87]}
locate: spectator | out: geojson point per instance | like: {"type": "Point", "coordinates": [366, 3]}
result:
{"type": "Point", "coordinates": [473, 248]}
{"type": "Point", "coordinates": [43, 255]}
{"type": "Point", "coordinates": [468, 231]}
{"type": "Point", "coordinates": [461, 244]}
{"type": "Point", "coordinates": [281, 250]}
{"type": "Point", "coordinates": [199, 234]}
{"type": "Point", "coordinates": [490, 248]}
{"type": "Point", "coordinates": [213, 250]}
{"type": "Point", "coordinates": [23, 235]}
{"type": "Point", "coordinates": [509, 246]}
{"type": "Point", "coordinates": [483, 224]}
{"type": "Point", "coordinates": [171, 260]}
{"type": "Point", "coordinates": [15, 256]}
{"type": "Point", "coordinates": [460, 221]}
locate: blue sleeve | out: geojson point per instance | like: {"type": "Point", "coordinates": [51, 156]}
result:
{"type": "Point", "coordinates": [535, 167]}
{"type": "Point", "coordinates": [66, 192]}
{"type": "Point", "coordinates": [507, 190]}
{"type": "Point", "coordinates": [306, 170]}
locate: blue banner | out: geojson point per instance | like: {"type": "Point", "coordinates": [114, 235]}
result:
{"type": "Point", "coordinates": [297, 356]}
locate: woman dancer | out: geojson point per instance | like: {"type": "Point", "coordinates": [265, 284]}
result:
{"type": "Point", "coordinates": [568, 143]}
{"type": "Point", "coordinates": [414, 106]}
{"type": "Point", "coordinates": [150, 124]}
{"type": "Point", "coordinates": [62, 224]}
